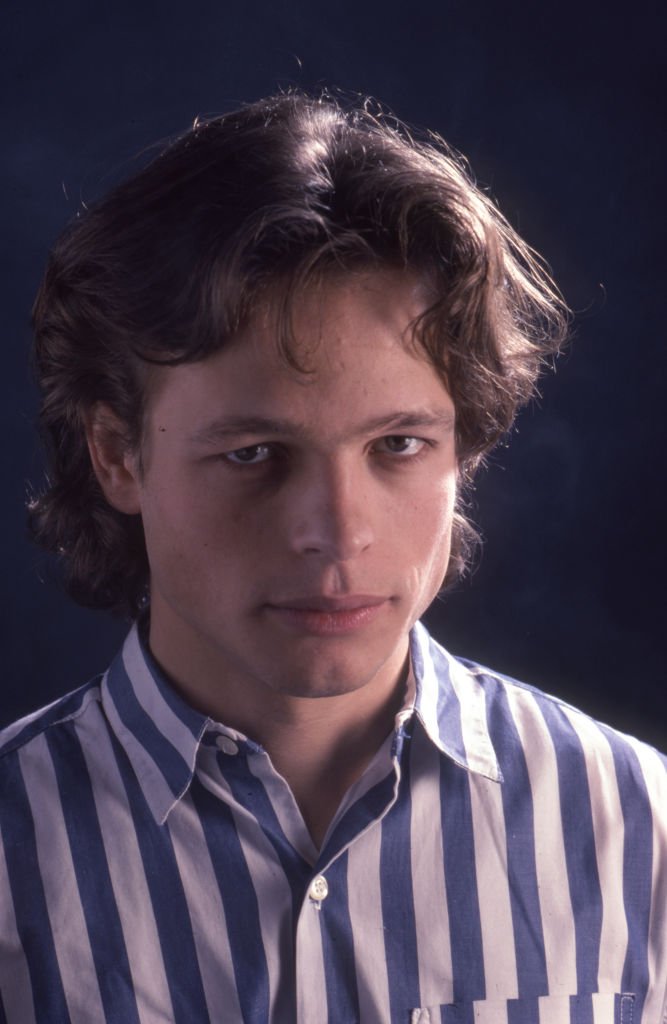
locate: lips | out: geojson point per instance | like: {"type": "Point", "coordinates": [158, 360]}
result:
{"type": "Point", "coordinates": [322, 603]}
{"type": "Point", "coordinates": [327, 616]}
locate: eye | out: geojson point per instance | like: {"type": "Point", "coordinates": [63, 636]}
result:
{"type": "Point", "coordinates": [399, 444]}
{"type": "Point", "coordinates": [252, 455]}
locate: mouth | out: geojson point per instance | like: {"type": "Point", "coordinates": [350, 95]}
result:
{"type": "Point", "coordinates": [328, 616]}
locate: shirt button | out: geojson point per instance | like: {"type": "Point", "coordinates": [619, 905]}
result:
{"type": "Point", "coordinates": [318, 890]}
{"type": "Point", "coordinates": [227, 745]}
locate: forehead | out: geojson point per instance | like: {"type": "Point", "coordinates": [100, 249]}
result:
{"type": "Point", "coordinates": [349, 349]}
{"type": "Point", "coordinates": [329, 310]}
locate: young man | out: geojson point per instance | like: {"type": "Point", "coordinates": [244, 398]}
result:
{"type": "Point", "coordinates": [271, 362]}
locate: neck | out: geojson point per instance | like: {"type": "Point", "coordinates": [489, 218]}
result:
{"type": "Point", "coordinates": [323, 750]}
{"type": "Point", "coordinates": [320, 745]}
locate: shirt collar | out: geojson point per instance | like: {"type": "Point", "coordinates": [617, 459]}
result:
{"type": "Point", "coordinates": [161, 734]}
{"type": "Point", "coordinates": [450, 703]}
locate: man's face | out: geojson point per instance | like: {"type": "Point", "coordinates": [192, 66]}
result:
{"type": "Point", "coordinates": [297, 525]}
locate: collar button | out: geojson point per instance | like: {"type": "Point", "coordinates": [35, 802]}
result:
{"type": "Point", "coordinates": [227, 745]}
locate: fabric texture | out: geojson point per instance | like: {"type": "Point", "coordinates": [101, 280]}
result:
{"type": "Point", "coordinates": [503, 859]}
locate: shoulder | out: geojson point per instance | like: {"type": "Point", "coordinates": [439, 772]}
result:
{"type": "Point", "coordinates": [23, 734]}
{"type": "Point", "coordinates": [551, 738]}
{"type": "Point", "coordinates": [568, 730]}
{"type": "Point", "coordinates": [39, 761]}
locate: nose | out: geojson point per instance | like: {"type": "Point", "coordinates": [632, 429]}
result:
{"type": "Point", "coordinates": [331, 513]}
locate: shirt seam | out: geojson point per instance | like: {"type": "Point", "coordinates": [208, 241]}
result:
{"type": "Point", "coordinates": [19, 742]}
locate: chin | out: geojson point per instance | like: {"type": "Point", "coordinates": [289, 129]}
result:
{"type": "Point", "coordinates": [315, 691]}
{"type": "Point", "coordinates": [332, 676]}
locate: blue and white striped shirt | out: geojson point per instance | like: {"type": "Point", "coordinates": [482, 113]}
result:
{"type": "Point", "coordinates": [503, 859]}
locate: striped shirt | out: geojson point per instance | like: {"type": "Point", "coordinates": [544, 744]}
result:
{"type": "Point", "coordinates": [503, 859]}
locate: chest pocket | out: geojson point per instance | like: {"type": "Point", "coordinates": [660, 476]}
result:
{"type": "Point", "coordinates": [596, 1008]}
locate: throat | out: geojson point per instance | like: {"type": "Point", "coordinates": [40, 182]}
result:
{"type": "Point", "coordinates": [320, 793]}
{"type": "Point", "coordinates": [320, 776]}
{"type": "Point", "coordinates": [324, 753]}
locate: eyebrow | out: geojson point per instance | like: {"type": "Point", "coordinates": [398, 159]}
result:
{"type": "Point", "coordinates": [226, 427]}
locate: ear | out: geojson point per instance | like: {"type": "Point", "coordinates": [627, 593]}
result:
{"type": "Point", "coordinates": [115, 466]}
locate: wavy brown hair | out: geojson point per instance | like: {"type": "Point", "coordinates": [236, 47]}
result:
{"type": "Point", "coordinates": [166, 269]}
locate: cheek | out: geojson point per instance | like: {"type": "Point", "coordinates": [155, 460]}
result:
{"type": "Point", "coordinates": [194, 533]}
{"type": "Point", "coordinates": [427, 538]}
{"type": "Point", "coordinates": [176, 526]}
{"type": "Point", "coordinates": [436, 509]}
{"type": "Point", "coordinates": [438, 536]}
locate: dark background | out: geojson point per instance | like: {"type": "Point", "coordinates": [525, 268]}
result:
{"type": "Point", "coordinates": [561, 112]}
